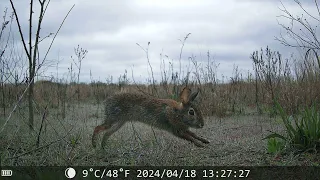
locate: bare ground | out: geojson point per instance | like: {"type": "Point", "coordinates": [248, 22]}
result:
{"type": "Point", "coordinates": [235, 140]}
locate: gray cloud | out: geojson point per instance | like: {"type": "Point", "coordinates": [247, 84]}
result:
{"type": "Point", "coordinates": [231, 30]}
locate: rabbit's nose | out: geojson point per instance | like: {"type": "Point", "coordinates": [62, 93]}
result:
{"type": "Point", "coordinates": [200, 125]}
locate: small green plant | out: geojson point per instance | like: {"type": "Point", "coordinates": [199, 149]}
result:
{"type": "Point", "coordinates": [275, 145]}
{"type": "Point", "coordinates": [302, 130]}
{"type": "Point", "coordinates": [75, 139]}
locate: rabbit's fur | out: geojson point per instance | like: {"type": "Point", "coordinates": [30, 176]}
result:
{"type": "Point", "coordinates": [167, 114]}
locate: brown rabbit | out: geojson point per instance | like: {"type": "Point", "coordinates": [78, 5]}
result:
{"type": "Point", "coordinates": [167, 114]}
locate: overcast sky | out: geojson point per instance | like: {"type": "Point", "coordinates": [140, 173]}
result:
{"type": "Point", "coordinates": [109, 29]}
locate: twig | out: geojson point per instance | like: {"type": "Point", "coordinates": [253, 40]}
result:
{"type": "Point", "coordinates": [34, 150]}
{"type": "Point", "coordinates": [43, 119]}
{"type": "Point", "coordinates": [54, 37]}
{"type": "Point", "coordinates": [19, 27]}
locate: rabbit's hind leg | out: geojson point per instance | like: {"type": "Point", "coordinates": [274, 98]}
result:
{"type": "Point", "coordinates": [96, 131]}
{"type": "Point", "coordinates": [114, 127]}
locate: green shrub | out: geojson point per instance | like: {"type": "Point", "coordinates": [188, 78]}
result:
{"type": "Point", "coordinates": [302, 130]}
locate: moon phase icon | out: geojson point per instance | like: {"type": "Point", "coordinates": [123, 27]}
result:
{"type": "Point", "coordinates": [70, 173]}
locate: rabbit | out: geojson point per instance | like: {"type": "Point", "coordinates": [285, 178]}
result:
{"type": "Point", "coordinates": [166, 114]}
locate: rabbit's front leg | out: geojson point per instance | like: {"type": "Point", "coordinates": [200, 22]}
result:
{"type": "Point", "coordinates": [197, 137]}
{"type": "Point", "coordinates": [186, 135]}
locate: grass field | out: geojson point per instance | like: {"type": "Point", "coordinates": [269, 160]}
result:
{"type": "Point", "coordinates": [234, 140]}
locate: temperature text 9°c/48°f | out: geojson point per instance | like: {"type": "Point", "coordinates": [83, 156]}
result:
{"type": "Point", "coordinates": [100, 173]}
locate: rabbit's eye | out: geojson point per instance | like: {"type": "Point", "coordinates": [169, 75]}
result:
{"type": "Point", "coordinates": [191, 112]}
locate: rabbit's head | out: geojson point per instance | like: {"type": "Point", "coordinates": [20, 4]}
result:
{"type": "Point", "coordinates": [191, 115]}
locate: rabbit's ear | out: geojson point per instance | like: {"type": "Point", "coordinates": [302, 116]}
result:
{"type": "Point", "coordinates": [193, 95]}
{"type": "Point", "coordinates": [184, 95]}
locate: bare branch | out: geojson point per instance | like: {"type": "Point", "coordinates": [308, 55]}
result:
{"type": "Point", "coordinates": [305, 36]}
{"type": "Point", "coordinates": [57, 32]}
{"type": "Point", "coordinates": [20, 31]}
{"type": "Point", "coordinates": [30, 35]}
{"type": "Point", "coordinates": [315, 1]}
{"type": "Point", "coordinates": [298, 2]}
